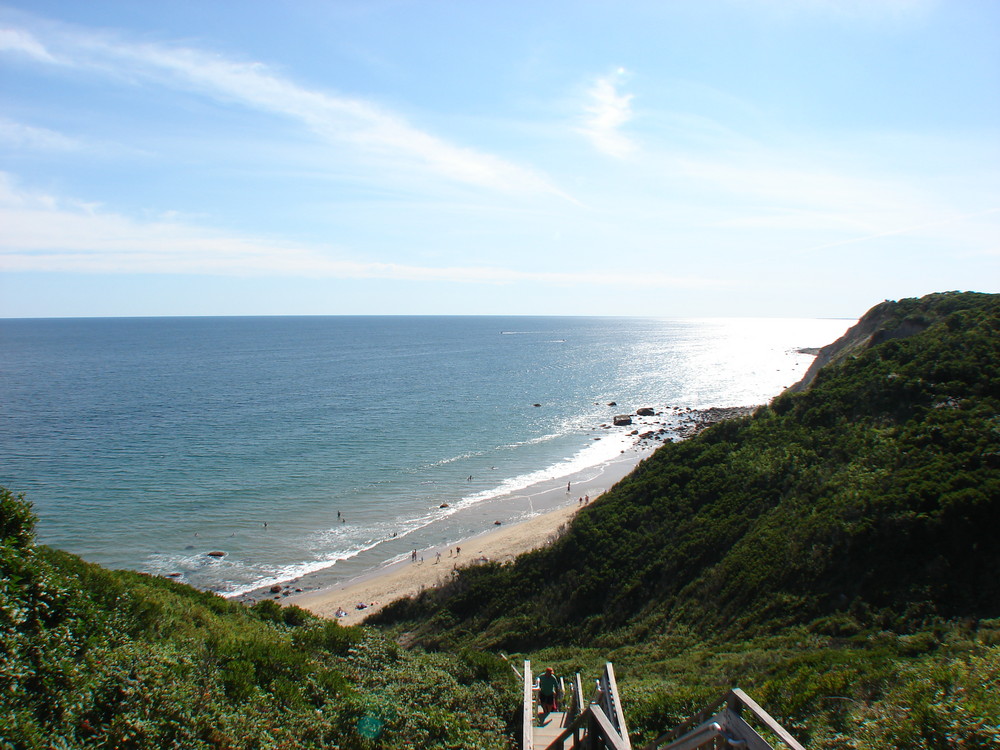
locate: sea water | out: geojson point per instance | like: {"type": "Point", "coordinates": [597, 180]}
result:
{"type": "Point", "coordinates": [299, 444]}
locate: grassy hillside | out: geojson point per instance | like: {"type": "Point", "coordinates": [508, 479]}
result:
{"type": "Point", "coordinates": [872, 498]}
{"type": "Point", "coordinates": [92, 658]}
{"type": "Point", "coordinates": [834, 554]}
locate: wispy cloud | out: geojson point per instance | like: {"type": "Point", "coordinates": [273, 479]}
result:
{"type": "Point", "coordinates": [606, 111]}
{"type": "Point", "coordinates": [909, 230]}
{"type": "Point", "coordinates": [23, 43]}
{"type": "Point", "coordinates": [51, 234]}
{"type": "Point", "coordinates": [20, 135]}
{"type": "Point", "coordinates": [335, 118]}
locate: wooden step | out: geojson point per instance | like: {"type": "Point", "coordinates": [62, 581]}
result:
{"type": "Point", "coordinates": [542, 736]}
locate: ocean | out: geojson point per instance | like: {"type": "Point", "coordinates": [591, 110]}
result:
{"type": "Point", "coordinates": [303, 444]}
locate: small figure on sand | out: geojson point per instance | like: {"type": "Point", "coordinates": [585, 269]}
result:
{"type": "Point", "coordinates": [438, 558]}
{"type": "Point", "coordinates": [413, 556]}
{"type": "Point", "coordinates": [567, 487]}
{"type": "Point", "coordinates": [458, 550]}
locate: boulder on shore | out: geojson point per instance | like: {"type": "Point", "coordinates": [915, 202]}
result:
{"type": "Point", "coordinates": [645, 412]}
{"type": "Point", "coordinates": [622, 420]}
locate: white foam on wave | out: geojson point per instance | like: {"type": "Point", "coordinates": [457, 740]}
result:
{"type": "Point", "coordinates": [599, 452]}
{"type": "Point", "coordinates": [292, 572]}
{"type": "Point", "coordinates": [460, 457]}
{"type": "Point", "coordinates": [532, 441]}
{"type": "Point", "coordinates": [380, 533]}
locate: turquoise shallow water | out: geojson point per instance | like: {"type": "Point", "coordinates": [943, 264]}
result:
{"type": "Point", "coordinates": [146, 443]}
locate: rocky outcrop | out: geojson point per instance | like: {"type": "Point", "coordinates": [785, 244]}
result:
{"type": "Point", "coordinates": [622, 420]}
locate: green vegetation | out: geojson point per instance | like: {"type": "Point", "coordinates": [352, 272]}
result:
{"type": "Point", "coordinates": [93, 658]}
{"type": "Point", "coordinates": [833, 555]}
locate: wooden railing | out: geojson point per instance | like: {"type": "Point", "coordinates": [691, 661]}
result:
{"type": "Point", "coordinates": [599, 723]}
{"type": "Point", "coordinates": [712, 728]}
{"type": "Point", "coordinates": [528, 718]}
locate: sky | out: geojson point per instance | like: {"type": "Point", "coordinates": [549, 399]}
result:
{"type": "Point", "coordinates": [790, 158]}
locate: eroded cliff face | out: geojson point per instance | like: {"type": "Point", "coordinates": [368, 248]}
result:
{"type": "Point", "coordinates": [879, 324]}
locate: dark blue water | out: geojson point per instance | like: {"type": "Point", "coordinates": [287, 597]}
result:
{"type": "Point", "coordinates": [145, 443]}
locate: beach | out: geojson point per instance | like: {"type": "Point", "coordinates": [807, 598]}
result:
{"type": "Point", "coordinates": [386, 585]}
{"type": "Point", "coordinates": [508, 535]}
{"type": "Point", "coordinates": [498, 542]}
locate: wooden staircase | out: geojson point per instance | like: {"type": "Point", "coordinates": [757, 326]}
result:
{"type": "Point", "coordinates": [598, 723]}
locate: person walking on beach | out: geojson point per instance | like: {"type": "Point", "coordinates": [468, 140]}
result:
{"type": "Point", "coordinates": [548, 686]}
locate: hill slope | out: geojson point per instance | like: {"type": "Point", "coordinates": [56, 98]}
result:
{"type": "Point", "coordinates": [870, 498]}
{"type": "Point", "coordinates": [93, 658]}
{"type": "Point", "coordinates": [833, 554]}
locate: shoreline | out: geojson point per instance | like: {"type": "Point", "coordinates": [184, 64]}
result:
{"type": "Point", "coordinates": [500, 541]}
{"type": "Point", "coordinates": [399, 580]}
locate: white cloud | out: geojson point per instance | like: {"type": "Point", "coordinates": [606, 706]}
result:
{"type": "Point", "coordinates": [22, 42]}
{"type": "Point", "coordinates": [335, 118]}
{"type": "Point", "coordinates": [606, 112]}
{"type": "Point", "coordinates": [938, 223]}
{"type": "Point", "coordinates": [812, 208]}
{"type": "Point", "coordinates": [20, 135]}
{"type": "Point", "coordinates": [48, 234]}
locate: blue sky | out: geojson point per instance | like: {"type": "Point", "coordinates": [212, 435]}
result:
{"type": "Point", "coordinates": [804, 158]}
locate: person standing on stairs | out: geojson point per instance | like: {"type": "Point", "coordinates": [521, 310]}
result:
{"type": "Point", "coordinates": [548, 686]}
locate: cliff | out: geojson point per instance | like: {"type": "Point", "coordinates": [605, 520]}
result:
{"type": "Point", "coordinates": [887, 320]}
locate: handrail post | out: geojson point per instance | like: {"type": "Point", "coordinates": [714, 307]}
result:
{"type": "Point", "coordinates": [576, 706]}
{"type": "Point", "coordinates": [613, 705]}
{"type": "Point", "coordinates": [733, 702]}
{"type": "Point", "coordinates": [528, 716]}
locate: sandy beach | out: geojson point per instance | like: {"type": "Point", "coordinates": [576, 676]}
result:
{"type": "Point", "coordinates": [497, 530]}
{"type": "Point", "coordinates": [408, 578]}
{"type": "Point", "coordinates": [498, 542]}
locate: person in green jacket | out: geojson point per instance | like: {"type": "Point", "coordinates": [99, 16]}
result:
{"type": "Point", "coordinates": [548, 688]}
